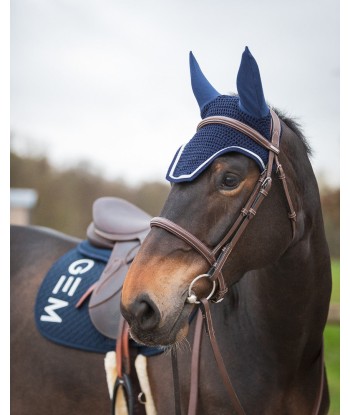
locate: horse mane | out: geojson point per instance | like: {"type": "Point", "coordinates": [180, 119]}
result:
{"type": "Point", "coordinates": [296, 128]}
{"type": "Point", "coordinates": [294, 125]}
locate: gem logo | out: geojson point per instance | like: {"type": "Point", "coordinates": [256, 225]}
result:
{"type": "Point", "coordinates": [52, 316]}
{"type": "Point", "coordinates": [75, 267]}
{"type": "Point", "coordinates": [67, 286]}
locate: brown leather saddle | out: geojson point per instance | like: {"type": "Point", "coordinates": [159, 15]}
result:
{"type": "Point", "coordinates": [121, 226]}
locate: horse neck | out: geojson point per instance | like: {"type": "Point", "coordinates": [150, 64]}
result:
{"type": "Point", "coordinates": [283, 307]}
{"type": "Point", "coordinates": [270, 326]}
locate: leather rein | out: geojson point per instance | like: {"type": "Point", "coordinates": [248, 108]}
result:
{"type": "Point", "coordinates": [218, 256]}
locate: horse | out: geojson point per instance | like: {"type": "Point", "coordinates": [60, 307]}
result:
{"type": "Point", "coordinates": [268, 325]}
{"type": "Point", "coordinates": [242, 238]}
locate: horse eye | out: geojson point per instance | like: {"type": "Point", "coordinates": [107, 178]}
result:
{"type": "Point", "coordinates": [230, 181]}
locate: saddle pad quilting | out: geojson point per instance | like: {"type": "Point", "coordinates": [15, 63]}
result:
{"type": "Point", "coordinates": [56, 316]}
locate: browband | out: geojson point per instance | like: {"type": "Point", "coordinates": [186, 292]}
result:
{"type": "Point", "coordinates": [243, 128]}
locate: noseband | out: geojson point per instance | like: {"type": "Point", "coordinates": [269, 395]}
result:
{"type": "Point", "coordinates": [219, 255]}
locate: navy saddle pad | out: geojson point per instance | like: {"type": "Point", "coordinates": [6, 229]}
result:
{"type": "Point", "coordinates": [56, 315]}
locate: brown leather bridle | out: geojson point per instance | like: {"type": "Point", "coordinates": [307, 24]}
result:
{"type": "Point", "coordinates": [218, 256]}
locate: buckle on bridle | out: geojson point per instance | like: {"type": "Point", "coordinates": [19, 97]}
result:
{"type": "Point", "coordinates": [192, 298]}
{"type": "Point", "coordinates": [266, 182]}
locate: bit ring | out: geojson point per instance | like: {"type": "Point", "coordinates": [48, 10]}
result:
{"type": "Point", "coordinates": [192, 298]}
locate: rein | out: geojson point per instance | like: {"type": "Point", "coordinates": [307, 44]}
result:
{"type": "Point", "coordinates": [218, 256]}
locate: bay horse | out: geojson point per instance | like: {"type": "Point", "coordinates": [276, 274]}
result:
{"type": "Point", "coordinates": [269, 325]}
{"type": "Point", "coordinates": [269, 282]}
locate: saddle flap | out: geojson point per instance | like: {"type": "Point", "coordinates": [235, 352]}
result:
{"type": "Point", "coordinates": [118, 220]}
{"type": "Point", "coordinates": [104, 305]}
{"type": "Point", "coordinates": [106, 316]}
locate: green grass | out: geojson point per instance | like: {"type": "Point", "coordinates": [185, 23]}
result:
{"type": "Point", "coordinates": [332, 360]}
{"type": "Point", "coordinates": [335, 298]}
{"type": "Point", "coordinates": [332, 346]}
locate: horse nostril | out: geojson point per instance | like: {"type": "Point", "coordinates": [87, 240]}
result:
{"type": "Point", "coordinates": [146, 313]}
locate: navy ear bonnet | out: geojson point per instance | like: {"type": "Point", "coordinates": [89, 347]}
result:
{"type": "Point", "coordinates": [214, 140]}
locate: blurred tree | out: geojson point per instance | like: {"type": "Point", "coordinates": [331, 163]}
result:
{"type": "Point", "coordinates": [66, 197]}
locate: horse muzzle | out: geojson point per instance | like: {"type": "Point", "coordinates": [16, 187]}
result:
{"type": "Point", "coordinates": [151, 327]}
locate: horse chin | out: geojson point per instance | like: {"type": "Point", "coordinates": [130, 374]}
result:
{"type": "Point", "coordinates": [167, 334]}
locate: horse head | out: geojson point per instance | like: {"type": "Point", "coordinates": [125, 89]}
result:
{"type": "Point", "coordinates": [213, 177]}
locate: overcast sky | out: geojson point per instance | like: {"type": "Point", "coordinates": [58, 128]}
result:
{"type": "Point", "coordinates": [107, 81]}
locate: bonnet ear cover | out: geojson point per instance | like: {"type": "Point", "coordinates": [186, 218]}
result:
{"type": "Point", "coordinates": [249, 87]}
{"type": "Point", "coordinates": [215, 140]}
{"type": "Point", "coordinates": [202, 89]}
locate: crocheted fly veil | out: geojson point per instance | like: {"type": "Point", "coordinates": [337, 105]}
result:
{"type": "Point", "coordinates": [214, 140]}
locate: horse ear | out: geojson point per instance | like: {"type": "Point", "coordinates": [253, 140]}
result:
{"type": "Point", "coordinates": [249, 87]}
{"type": "Point", "coordinates": [202, 89]}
